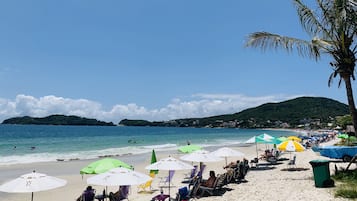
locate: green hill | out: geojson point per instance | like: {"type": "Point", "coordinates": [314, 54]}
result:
{"type": "Point", "coordinates": [315, 111]}
{"type": "Point", "coordinates": [57, 120]}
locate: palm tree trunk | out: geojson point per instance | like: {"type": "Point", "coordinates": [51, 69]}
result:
{"type": "Point", "coordinates": [351, 102]}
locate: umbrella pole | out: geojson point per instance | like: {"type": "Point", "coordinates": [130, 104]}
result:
{"type": "Point", "coordinates": [256, 148]}
{"type": "Point", "coordinates": [169, 188]}
{"type": "Point", "coordinates": [32, 196]}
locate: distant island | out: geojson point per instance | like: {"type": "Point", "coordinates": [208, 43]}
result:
{"type": "Point", "coordinates": [57, 120]}
{"type": "Point", "coordinates": [311, 112]}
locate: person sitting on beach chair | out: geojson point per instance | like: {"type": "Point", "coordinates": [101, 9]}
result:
{"type": "Point", "coordinates": [206, 183]}
{"type": "Point", "coordinates": [210, 181]}
{"type": "Point", "coordinates": [121, 194]}
{"type": "Point", "coordinates": [232, 165]}
{"type": "Point", "coordinates": [267, 154]}
{"type": "Point", "coordinates": [87, 195]}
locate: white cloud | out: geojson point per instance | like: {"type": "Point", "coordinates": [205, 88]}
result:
{"type": "Point", "coordinates": [200, 105]}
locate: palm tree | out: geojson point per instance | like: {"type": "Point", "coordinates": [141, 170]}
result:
{"type": "Point", "coordinates": [333, 28]}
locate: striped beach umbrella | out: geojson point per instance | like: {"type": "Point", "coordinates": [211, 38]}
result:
{"type": "Point", "coordinates": [294, 138]}
{"type": "Point", "coordinates": [291, 146]}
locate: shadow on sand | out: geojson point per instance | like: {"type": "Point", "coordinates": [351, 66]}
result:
{"type": "Point", "coordinates": [295, 169]}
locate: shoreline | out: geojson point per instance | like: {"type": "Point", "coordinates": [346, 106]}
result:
{"type": "Point", "coordinates": [261, 185]}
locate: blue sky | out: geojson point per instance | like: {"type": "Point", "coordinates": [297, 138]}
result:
{"type": "Point", "coordinates": [149, 59]}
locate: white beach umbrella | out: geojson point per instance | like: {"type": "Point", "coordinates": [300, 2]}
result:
{"type": "Point", "coordinates": [201, 156]}
{"type": "Point", "coordinates": [227, 152]}
{"type": "Point", "coordinates": [119, 176]}
{"type": "Point", "coordinates": [169, 163]}
{"type": "Point", "coordinates": [32, 182]}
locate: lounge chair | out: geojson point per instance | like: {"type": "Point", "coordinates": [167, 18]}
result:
{"type": "Point", "coordinates": [202, 169]}
{"type": "Point", "coordinates": [148, 185]}
{"type": "Point", "coordinates": [183, 194]}
{"type": "Point", "coordinates": [217, 186]}
{"type": "Point", "coordinates": [165, 181]}
{"type": "Point", "coordinates": [189, 177]}
{"type": "Point", "coordinates": [292, 163]}
{"type": "Point", "coordinates": [122, 194]}
{"type": "Point", "coordinates": [192, 173]}
{"type": "Point", "coordinates": [254, 163]}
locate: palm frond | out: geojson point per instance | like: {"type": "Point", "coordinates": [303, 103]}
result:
{"type": "Point", "coordinates": [309, 21]}
{"type": "Point", "coordinates": [265, 40]}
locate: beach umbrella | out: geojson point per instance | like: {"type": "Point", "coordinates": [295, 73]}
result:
{"type": "Point", "coordinates": [352, 138]}
{"type": "Point", "coordinates": [343, 136]}
{"type": "Point", "coordinates": [294, 138]}
{"type": "Point", "coordinates": [227, 152]}
{"type": "Point", "coordinates": [291, 146]}
{"type": "Point", "coordinates": [104, 165]}
{"type": "Point", "coordinates": [189, 148]}
{"type": "Point", "coordinates": [119, 177]}
{"type": "Point", "coordinates": [201, 156]}
{"type": "Point", "coordinates": [32, 182]}
{"type": "Point", "coordinates": [169, 163]}
{"type": "Point", "coordinates": [153, 160]}
{"type": "Point", "coordinates": [266, 137]}
{"type": "Point", "coordinates": [262, 139]}
{"type": "Point", "coordinates": [282, 138]}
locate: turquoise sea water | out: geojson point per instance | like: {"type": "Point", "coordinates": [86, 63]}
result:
{"type": "Point", "coordinates": [86, 142]}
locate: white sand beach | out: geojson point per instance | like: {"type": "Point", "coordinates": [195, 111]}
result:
{"type": "Point", "coordinates": [264, 184]}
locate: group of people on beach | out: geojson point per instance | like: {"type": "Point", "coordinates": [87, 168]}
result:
{"type": "Point", "coordinates": [89, 194]}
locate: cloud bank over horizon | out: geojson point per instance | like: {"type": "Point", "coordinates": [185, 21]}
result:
{"type": "Point", "coordinates": [198, 105]}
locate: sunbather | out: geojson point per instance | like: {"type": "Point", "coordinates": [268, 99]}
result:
{"type": "Point", "coordinates": [232, 164]}
{"type": "Point", "coordinates": [87, 195]}
{"type": "Point", "coordinates": [121, 194]}
{"type": "Point", "coordinates": [210, 181]}
{"type": "Point", "coordinates": [207, 183]}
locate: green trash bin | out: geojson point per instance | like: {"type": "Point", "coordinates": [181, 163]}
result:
{"type": "Point", "coordinates": [321, 170]}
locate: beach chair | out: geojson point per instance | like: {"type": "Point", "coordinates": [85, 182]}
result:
{"type": "Point", "coordinates": [203, 167]}
{"type": "Point", "coordinates": [292, 163]}
{"type": "Point", "coordinates": [145, 186]}
{"type": "Point", "coordinates": [189, 177]}
{"type": "Point", "coordinates": [217, 186]}
{"type": "Point", "coordinates": [148, 185]}
{"type": "Point", "coordinates": [183, 194]}
{"type": "Point", "coordinates": [165, 181]}
{"type": "Point", "coordinates": [254, 163]}
{"type": "Point", "coordinates": [192, 173]}
{"type": "Point", "coordinates": [120, 195]}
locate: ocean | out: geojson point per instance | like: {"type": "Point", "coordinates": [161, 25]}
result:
{"type": "Point", "coordinates": [21, 144]}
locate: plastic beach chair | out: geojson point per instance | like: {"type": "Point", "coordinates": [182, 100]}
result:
{"type": "Point", "coordinates": [147, 185]}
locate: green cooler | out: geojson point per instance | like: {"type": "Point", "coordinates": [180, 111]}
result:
{"type": "Point", "coordinates": [321, 170]}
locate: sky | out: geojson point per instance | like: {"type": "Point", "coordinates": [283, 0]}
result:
{"type": "Point", "coordinates": [150, 59]}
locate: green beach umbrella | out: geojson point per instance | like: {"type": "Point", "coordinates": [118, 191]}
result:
{"type": "Point", "coordinates": [343, 136]}
{"type": "Point", "coordinates": [352, 139]}
{"type": "Point", "coordinates": [104, 165]}
{"type": "Point", "coordinates": [189, 148]}
{"type": "Point", "coordinates": [153, 160]}
{"type": "Point", "coordinates": [282, 138]}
